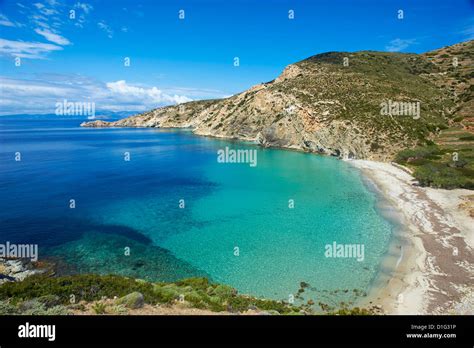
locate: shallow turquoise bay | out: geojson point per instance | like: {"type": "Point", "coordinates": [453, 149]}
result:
{"type": "Point", "coordinates": [136, 204]}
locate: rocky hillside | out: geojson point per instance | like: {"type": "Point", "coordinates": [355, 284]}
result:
{"type": "Point", "coordinates": [331, 103]}
{"type": "Point", "coordinates": [448, 161]}
{"type": "Point", "coordinates": [456, 64]}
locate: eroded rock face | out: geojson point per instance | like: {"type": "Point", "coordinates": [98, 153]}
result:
{"type": "Point", "coordinates": [321, 105]}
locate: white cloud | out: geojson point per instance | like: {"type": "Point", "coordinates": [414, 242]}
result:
{"type": "Point", "coordinates": [84, 7]}
{"type": "Point", "coordinates": [15, 89]}
{"type": "Point", "coordinates": [50, 36]}
{"type": "Point", "coordinates": [197, 93]}
{"type": "Point", "coordinates": [81, 18]}
{"type": "Point", "coordinates": [40, 20]}
{"type": "Point", "coordinates": [80, 21]}
{"type": "Point", "coordinates": [40, 93]}
{"type": "Point", "coordinates": [22, 49]}
{"type": "Point", "coordinates": [47, 17]}
{"type": "Point", "coordinates": [398, 45]}
{"type": "Point", "coordinates": [4, 21]}
{"type": "Point", "coordinates": [151, 95]}
{"type": "Point", "coordinates": [106, 28]}
{"type": "Point", "coordinates": [52, 2]}
{"type": "Point", "coordinates": [45, 10]}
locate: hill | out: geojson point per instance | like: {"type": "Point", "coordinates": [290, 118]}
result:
{"type": "Point", "coordinates": [352, 105]}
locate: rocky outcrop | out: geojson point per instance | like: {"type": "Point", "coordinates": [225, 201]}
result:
{"type": "Point", "coordinates": [12, 270]}
{"type": "Point", "coordinates": [329, 103]}
{"type": "Point", "coordinates": [96, 124]}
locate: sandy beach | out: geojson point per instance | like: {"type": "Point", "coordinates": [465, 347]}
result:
{"type": "Point", "coordinates": [435, 272]}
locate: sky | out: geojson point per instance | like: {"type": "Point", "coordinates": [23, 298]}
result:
{"type": "Point", "coordinates": [182, 50]}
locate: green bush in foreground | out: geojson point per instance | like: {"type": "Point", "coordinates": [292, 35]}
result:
{"type": "Point", "coordinates": [41, 295]}
{"type": "Point", "coordinates": [99, 308]}
{"type": "Point", "coordinates": [82, 287]}
{"type": "Point", "coordinates": [32, 307]}
{"type": "Point", "coordinates": [6, 308]}
{"type": "Point", "coordinates": [352, 311]}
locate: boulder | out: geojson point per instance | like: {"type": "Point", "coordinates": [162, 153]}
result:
{"type": "Point", "coordinates": [133, 300]}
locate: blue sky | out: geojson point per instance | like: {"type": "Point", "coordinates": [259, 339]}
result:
{"type": "Point", "coordinates": [175, 60]}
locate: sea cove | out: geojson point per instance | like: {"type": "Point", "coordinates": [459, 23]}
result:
{"type": "Point", "coordinates": [280, 215]}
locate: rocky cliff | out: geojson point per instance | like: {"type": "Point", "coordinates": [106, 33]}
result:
{"type": "Point", "coordinates": [332, 103]}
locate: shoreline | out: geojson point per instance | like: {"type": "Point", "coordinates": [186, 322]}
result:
{"type": "Point", "coordinates": [434, 272]}
{"type": "Point", "coordinates": [419, 273]}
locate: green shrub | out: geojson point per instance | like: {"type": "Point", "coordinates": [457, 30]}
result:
{"type": "Point", "coordinates": [351, 311]}
{"type": "Point", "coordinates": [49, 300]}
{"type": "Point", "coordinates": [32, 307]}
{"type": "Point", "coordinates": [99, 308]}
{"type": "Point", "coordinates": [426, 152]}
{"type": "Point", "coordinates": [239, 304]}
{"type": "Point", "coordinates": [196, 299]}
{"type": "Point", "coordinates": [6, 308]}
{"type": "Point", "coordinates": [45, 295]}
{"type": "Point", "coordinates": [57, 310]}
{"type": "Point", "coordinates": [442, 126]}
{"type": "Point", "coordinates": [224, 291]}
{"type": "Point", "coordinates": [166, 293]}
{"type": "Point", "coordinates": [441, 176]}
{"type": "Point", "coordinates": [84, 287]}
{"type": "Point", "coordinates": [195, 283]}
{"type": "Point", "coordinates": [433, 166]}
{"type": "Point", "coordinates": [118, 309]}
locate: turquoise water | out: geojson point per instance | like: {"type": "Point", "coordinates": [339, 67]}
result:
{"type": "Point", "coordinates": [136, 204]}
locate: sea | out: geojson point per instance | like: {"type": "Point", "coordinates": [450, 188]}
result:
{"type": "Point", "coordinates": [157, 204]}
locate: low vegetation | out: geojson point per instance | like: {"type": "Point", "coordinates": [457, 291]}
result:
{"type": "Point", "coordinates": [441, 166]}
{"type": "Point", "coordinates": [447, 160]}
{"type": "Point", "coordinates": [55, 295]}
{"type": "Point", "coordinates": [112, 294]}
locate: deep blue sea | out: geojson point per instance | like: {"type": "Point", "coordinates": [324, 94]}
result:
{"type": "Point", "coordinates": [228, 207]}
